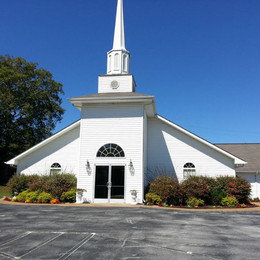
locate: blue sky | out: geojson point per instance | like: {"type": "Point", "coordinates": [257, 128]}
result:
{"type": "Point", "coordinates": [199, 58]}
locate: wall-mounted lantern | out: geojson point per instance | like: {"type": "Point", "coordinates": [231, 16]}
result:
{"type": "Point", "coordinates": [88, 168]}
{"type": "Point", "coordinates": [131, 168]}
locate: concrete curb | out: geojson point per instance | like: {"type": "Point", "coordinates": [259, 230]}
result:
{"type": "Point", "coordinates": [114, 205]}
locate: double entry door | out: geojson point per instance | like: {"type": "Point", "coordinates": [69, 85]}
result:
{"type": "Point", "coordinates": [110, 184]}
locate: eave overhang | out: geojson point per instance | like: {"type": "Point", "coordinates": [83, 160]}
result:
{"type": "Point", "coordinates": [14, 161]}
{"type": "Point", "coordinates": [147, 101]}
{"type": "Point", "coordinates": [237, 161]}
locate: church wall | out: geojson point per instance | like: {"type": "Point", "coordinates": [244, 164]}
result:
{"type": "Point", "coordinates": [254, 179]}
{"type": "Point", "coordinates": [63, 150]}
{"type": "Point", "coordinates": [169, 150]}
{"type": "Point", "coordinates": [145, 147]}
{"type": "Point", "coordinates": [122, 125]}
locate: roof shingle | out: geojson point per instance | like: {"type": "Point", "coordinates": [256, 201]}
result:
{"type": "Point", "coordinates": [247, 152]}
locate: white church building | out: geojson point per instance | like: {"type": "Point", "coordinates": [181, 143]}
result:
{"type": "Point", "coordinates": [120, 141]}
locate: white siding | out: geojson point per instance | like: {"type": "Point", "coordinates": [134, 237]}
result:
{"type": "Point", "coordinates": [126, 84]}
{"type": "Point", "coordinates": [254, 180]}
{"type": "Point", "coordinates": [169, 150]}
{"type": "Point", "coordinates": [63, 150]}
{"type": "Point", "coordinates": [122, 125]}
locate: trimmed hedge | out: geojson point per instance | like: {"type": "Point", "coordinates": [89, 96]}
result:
{"type": "Point", "coordinates": [240, 189]}
{"type": "Point", "coordinates": [55, 184]}
{"type": "Point", "coordinates": [58, 183]}
{"type": "Point", "coordinates": [197, 187]}
{"type": "Point", "coordinates": [211, 190]}
{"type": "Point", "coordinates": [168, 189]}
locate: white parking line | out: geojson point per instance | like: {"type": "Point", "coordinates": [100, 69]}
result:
{"type": "Point", "coordinates": [76, 247]}
{"type": "Point", "coordinates": [129, 220]}
{"type": "Point", "coordinates": [6, 255]}
{"type": "Point", "coordinates": [16, 238]}
{"type": "Point", "coordinates": [41, 245]}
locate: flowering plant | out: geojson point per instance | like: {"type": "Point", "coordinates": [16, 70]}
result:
{"type": "Point", "coordinates": [7, 198]}
{"type": "Point", "coordinates": [55, 201]}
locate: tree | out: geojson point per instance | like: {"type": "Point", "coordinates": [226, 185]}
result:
{"type": "Point", "coordinates": [29, 105]}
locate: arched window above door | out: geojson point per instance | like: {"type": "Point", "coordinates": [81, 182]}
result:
{"type": "Point", "coordinates": [110, 150]}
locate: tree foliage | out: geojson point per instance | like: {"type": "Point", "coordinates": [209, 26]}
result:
{"type": "Point", "coordinates": [29, 105]}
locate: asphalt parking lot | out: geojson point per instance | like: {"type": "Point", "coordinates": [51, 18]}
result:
{"type": "Point", "coordinates": [52, 232]}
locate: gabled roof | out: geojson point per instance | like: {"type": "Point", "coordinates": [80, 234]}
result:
{"type": "Point", "coordinates": [248, 152]}
{"type": "Point", "coordinates": [237, 160]}
{"type": "Point", "coordinates": [41, 144]}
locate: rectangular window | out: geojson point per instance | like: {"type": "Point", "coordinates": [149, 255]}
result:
{"type": "Point", "coordinates": [55, 171]}
{"type": "Point", "coordinates": [188, 172]}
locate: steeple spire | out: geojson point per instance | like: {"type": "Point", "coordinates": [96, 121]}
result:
{"type": "Point", "coordinates": [119, 34]}
{"type": "Point", "coordinates": [118, 58]}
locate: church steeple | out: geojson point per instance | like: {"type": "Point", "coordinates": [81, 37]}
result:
{"type": "Point", "coordinates": [118, 77]}
{"type": "Point", "coordinates": [118, 58]}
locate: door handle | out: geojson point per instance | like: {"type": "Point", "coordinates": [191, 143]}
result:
{"type": "Point", "coordinates": [109, 185]}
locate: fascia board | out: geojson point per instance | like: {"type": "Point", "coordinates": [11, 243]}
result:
{"type": "Point", "coordinates": [14, 160]}
{"type": "Point", "coordinates": [236, 159]}
{"type": "Point", "coordinates": [79, 102]}
{"type": "Point", "coordinates": [110, 100]}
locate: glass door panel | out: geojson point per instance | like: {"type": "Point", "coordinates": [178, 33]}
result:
{"type": "Point", "coordinates": [118, 182]}
{"type": "Point", "coordinates": [102, 178]}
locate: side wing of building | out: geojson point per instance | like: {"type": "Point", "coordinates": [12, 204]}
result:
{"type": "Point", "coordinates": [59, 152]}
{"type": "Point", "coordinates": [172, 150]}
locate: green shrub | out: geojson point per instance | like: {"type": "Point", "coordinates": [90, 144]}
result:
{"type": "Point", "coordinates": [5, 191]}
{"type": "Point", "coordinates": [210, 181]}
{"type": "Point", "coordinates": [192, 202]}
{"type": "Point", "coordinates": [18, 183]}
{"type": "Point", "coordinates": [167, 188]}
{"type": "Point", "coordinates": [196, 187]}
{"type": "Point", "coordinates": [56, 184]}
{"type": "Point", "coordinates": [152, 198]}
{"type": "Point", "coordinates": [216, 196]}
{"type": "Point", "coordinates": [37, 182]}
{"type": "Point", "coordinates": [21, 197]}
{"type": "Point", "coordinates": [229, 202]}
{"type": "Point", "coordinates": [32, 196]}
{"type": "Point", "coordinates": [175, 194]}
{"type": "Point", "coordinates": [222, 182]}
{"type": "Point", "coordinates": [21, 182]}
{"type": "Point", "coordinates": [45, 197]}
{"type": "Point", "coordinates": [69, 196]}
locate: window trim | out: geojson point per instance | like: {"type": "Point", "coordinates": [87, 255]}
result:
{"type": "Point", "coordinates": [110, 150]}
{"type": "Point", "coordinates": [55, 168]}
{"type": "Point", "coordinates": [189, 169]}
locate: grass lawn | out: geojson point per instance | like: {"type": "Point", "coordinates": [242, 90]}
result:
{"type": "Point", "coordinates": [4, 191]}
